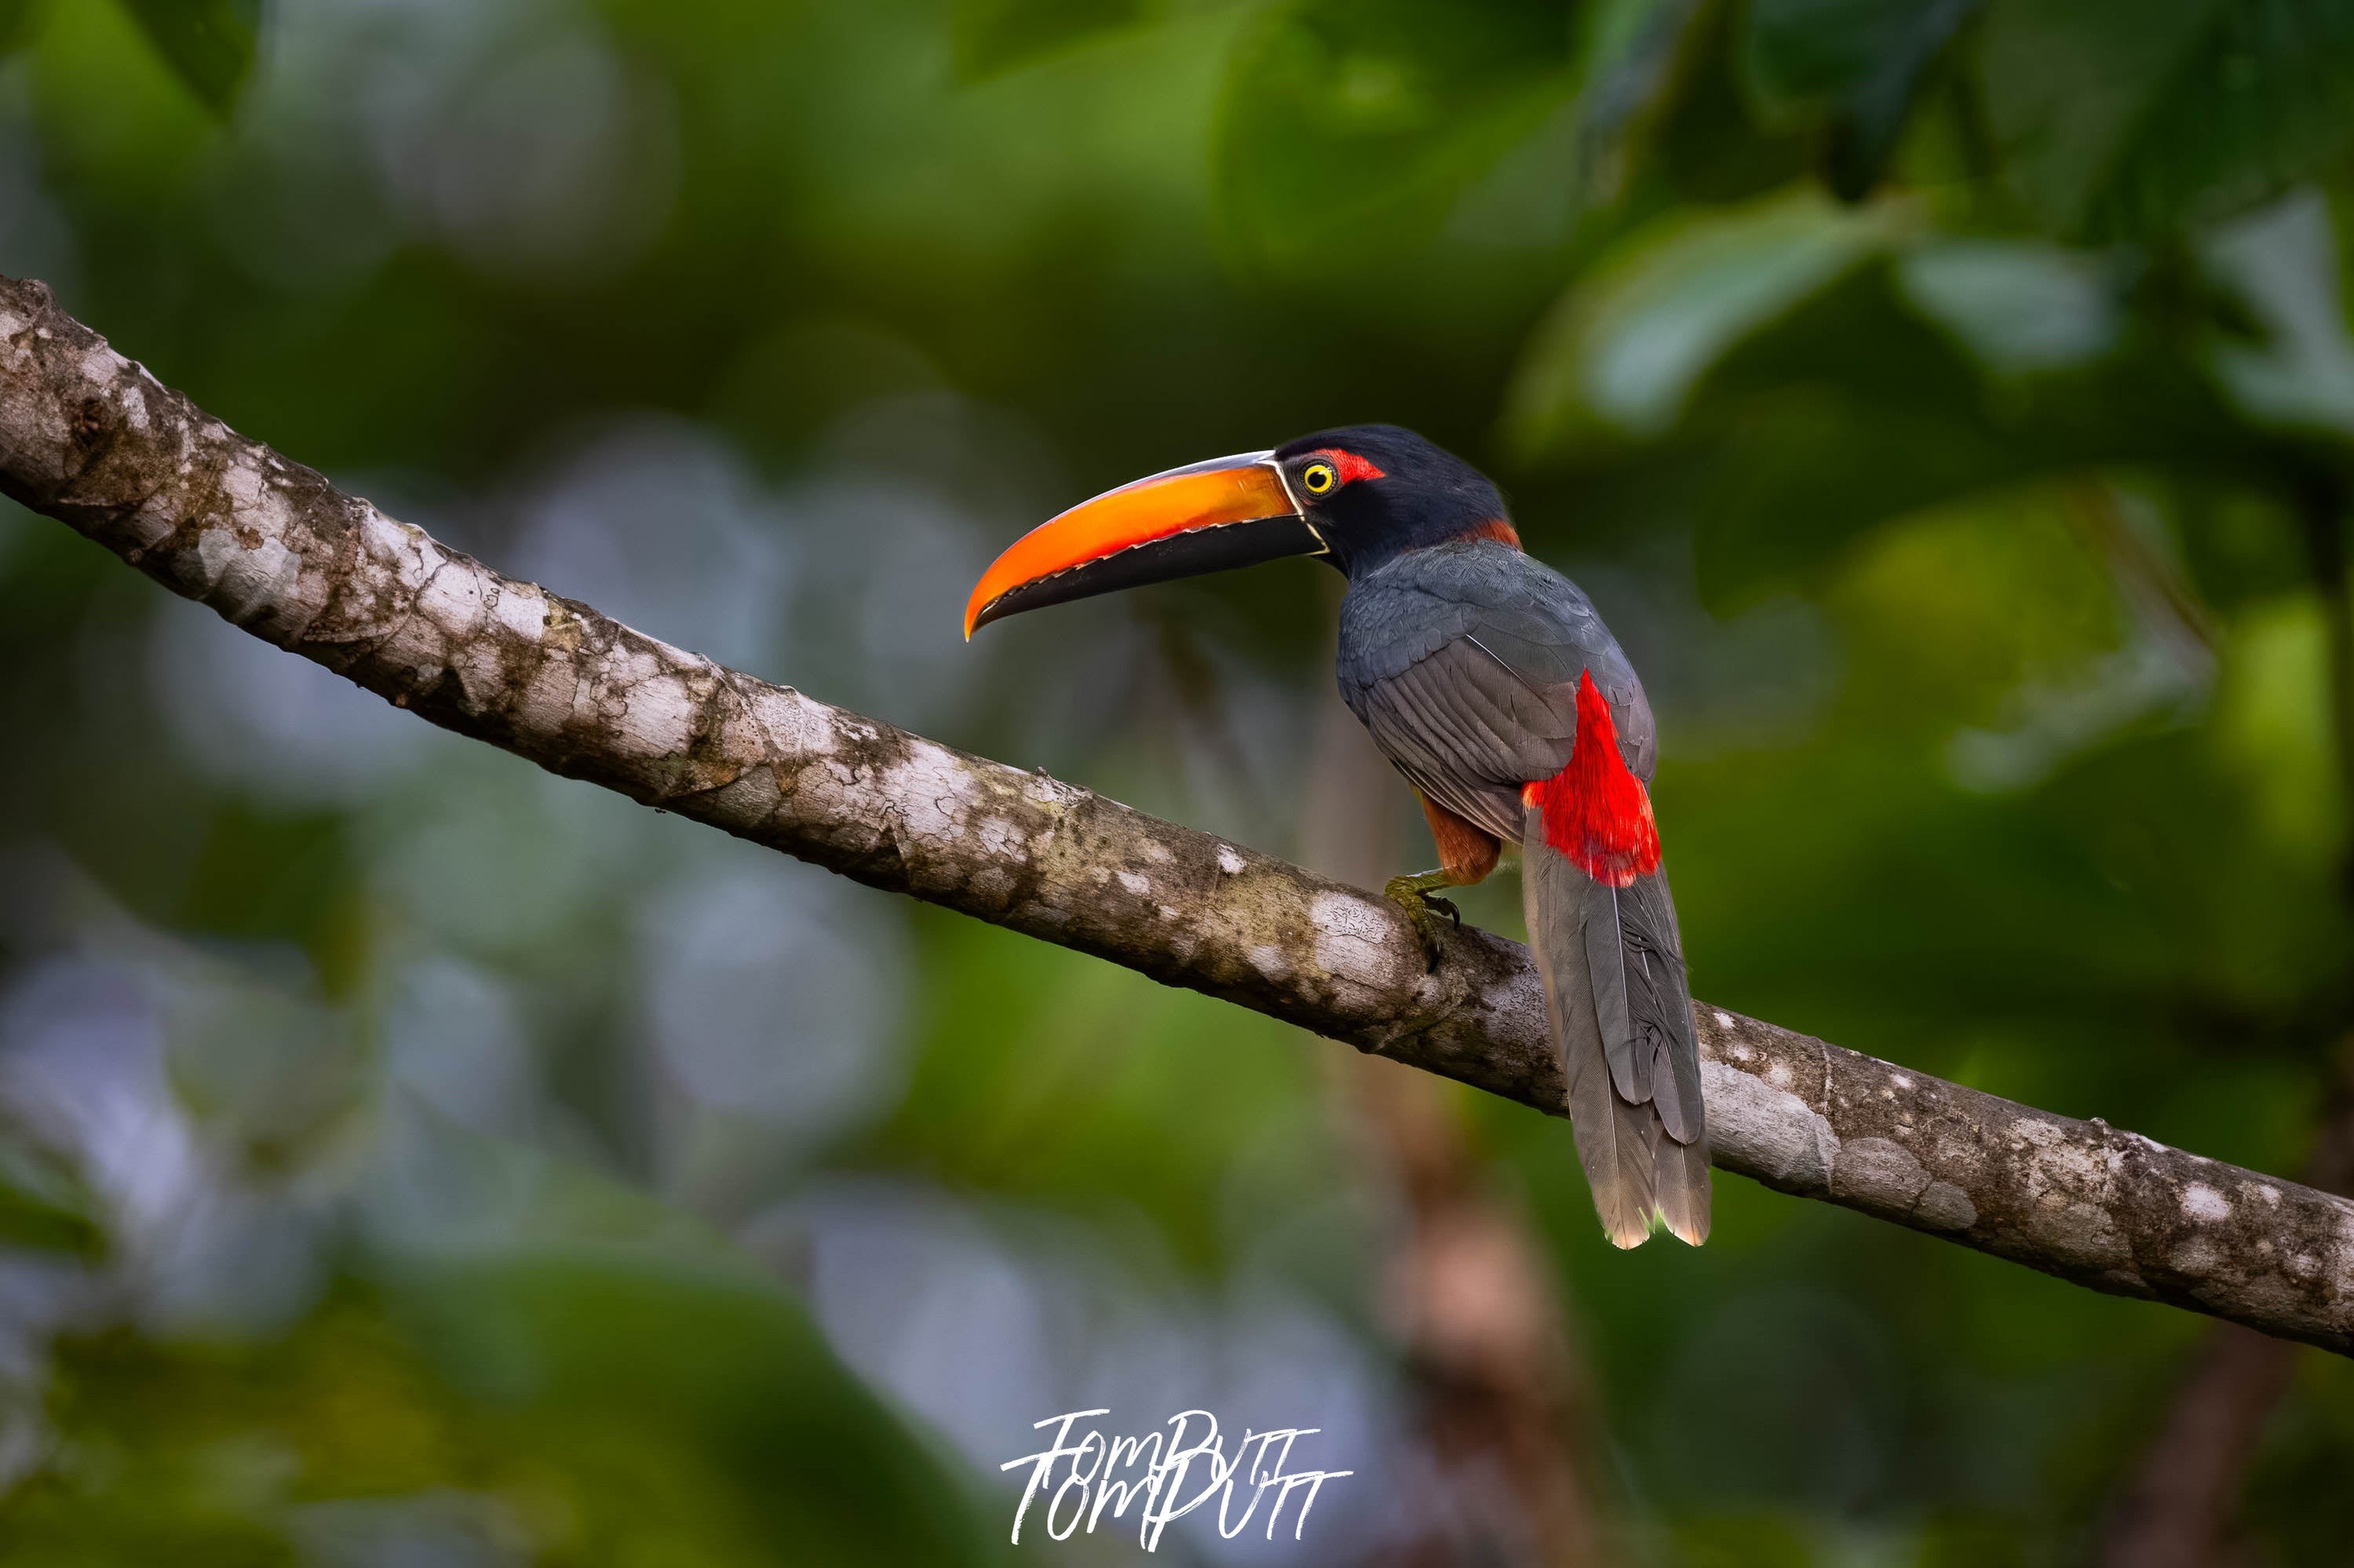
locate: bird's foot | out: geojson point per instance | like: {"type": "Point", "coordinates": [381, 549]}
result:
{"type": "Point", "coordinates": [1423, 908]}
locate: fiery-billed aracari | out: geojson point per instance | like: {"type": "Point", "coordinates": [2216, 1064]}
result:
{"type": "Point", "coordinates": [1488, 680]}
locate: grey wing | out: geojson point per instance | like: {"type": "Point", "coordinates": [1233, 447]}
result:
{"type": "Point", "coordinates": [1464, 662]}
{"type": "Point", "coordinates": [1466, 731]}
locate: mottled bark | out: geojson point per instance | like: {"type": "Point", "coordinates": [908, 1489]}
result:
{"type": "Point", "coordinates": [93, 440]}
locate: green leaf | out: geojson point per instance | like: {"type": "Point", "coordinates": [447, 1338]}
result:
{"type": "Point", "coordinates": [1862, 407]}
{"type": "Point", "coordinates": [1632, 52]}
{"type": "Point", "coordinates": [18, 20]}
{"type": "Point", "coordinates": [608, 1361]}
{"type": "Point", "coordinates": [1626, 345]}
{"type": "Point", "coordinates": [1665, 111]}
{"type": "Point", "coordinates": [990, 37]}
{"type": "Point", "coordinates": [44, 1206]}
{"type": "Point", "coordinates": [2283, 264]}
{"type": "Point", "coordinates": [603, 1405]}
{"type": "Point", "coordinates": [1869, 399]}
{"type": "Point", "coordinates": [1852, 64]}
{"type": "Point", "coordinates": [1839, 416]}
{"type": "Point", "coordinates": [209, 44]}
{"type": "Point", "coordinates": [1351, 122]}
{"type": "Point", "coordinates": [2121, 118]}
{"type": "Point", "coordinates": [2021, 305]}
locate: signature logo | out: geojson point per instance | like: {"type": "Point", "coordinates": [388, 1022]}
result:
{"type": "Point", "coordinates": [1102, 1474]}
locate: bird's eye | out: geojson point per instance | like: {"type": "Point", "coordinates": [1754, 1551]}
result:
{"type": "Point", "coordinates": [1318, 477]}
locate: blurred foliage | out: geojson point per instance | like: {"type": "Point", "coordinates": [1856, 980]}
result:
{"type": "Point", "coordinates": [1349, 124]}
{"type": "Point", "coordinates": [209, 43]}
{"type": "Point", "coordinates": [1947, 402]}
{"type": "Point", "coordinates": [485, 1405]}
{"type": "Point", "coordinates": [992, 37]}
{"type": "Point", "coordinates": [17, 19]}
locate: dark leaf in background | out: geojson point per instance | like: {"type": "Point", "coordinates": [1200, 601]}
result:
{"type": "Point", "coordinates": [274, 876]}
{"type": "Point", "coordinates": [1853, 412]}
{"type": "Point", "coordinates": [2121, 118]}
{"type": "Point", "coordinates": [1846, 413]}
{"type": "Point", "coordinates": [1624, 348]}
{"type": "Point", "coordinates": [990, 38]}
{"type": "Point", "coordinates": [45, 1205]}
{"type": "Point", "coordinates": [209, 44]}
{"type": "Point", "coordinates": [18, 20]}
{"type": "Point", "coordinates": [1631, 69]}
{"type": "Point", "coordinates": [1831, 370]}
{"type": "Point", "coordinates": [1854, 64]}
{"type": "Point", "coordinates": [570, 1404]}
{"type": "Point", "coordinates": [587, 1354]}
{"type": "Point", "coordinates": [1709, 147]}
{"type": "Point", "coordinates": [1354, 124]}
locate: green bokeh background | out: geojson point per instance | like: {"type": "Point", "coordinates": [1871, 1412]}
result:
{"type": "Point", "coordinates": [410, 1157]}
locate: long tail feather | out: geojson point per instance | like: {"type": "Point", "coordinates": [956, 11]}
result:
{"type": "Point", "coordinates": [1613, 968]}
{"type": "Point", "coordinates": [1660, 1004]}
{"type": "Point", "coordinates": [1679, 1177]}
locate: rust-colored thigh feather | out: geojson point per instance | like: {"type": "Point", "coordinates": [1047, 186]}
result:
{"type": "Point", "coordinates": [1466, 853]}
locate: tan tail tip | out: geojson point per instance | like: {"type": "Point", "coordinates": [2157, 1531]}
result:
{"type": "Point", "coordinates": [1627, 1239]}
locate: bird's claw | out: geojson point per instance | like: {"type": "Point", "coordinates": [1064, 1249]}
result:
{"type": "Point", "coordinates": [1422, 908]}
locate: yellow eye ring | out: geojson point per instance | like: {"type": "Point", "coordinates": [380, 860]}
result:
{"type": "Point", "coordinates": [1318, 477]}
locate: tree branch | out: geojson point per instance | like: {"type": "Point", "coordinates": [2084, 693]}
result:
{"type": "Point", "coordinates": [93, 440]}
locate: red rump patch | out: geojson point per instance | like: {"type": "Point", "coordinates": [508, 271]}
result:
{"type": "Point", "coordinates": [1596, 810]}
{"type": "Point", "coordinates": [1348, 465]}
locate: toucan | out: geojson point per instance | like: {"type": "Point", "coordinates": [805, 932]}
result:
{"type": "Point", "coordinates": [1488, 680]}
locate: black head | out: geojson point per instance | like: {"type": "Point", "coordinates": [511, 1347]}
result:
{"type": "Point", "coordinates": [1373, 491]}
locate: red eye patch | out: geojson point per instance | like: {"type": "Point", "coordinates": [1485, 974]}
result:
{"type": "Point", "coordinates": [1348, 465]}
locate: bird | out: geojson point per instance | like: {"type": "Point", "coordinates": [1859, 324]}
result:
{"type": "Point", "coordinates": [1491, 682]}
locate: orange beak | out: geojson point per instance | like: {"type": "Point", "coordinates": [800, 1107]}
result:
{"type": "Point", "coordinates": [1206, 517]}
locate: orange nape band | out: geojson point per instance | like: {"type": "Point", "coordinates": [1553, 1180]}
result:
{"type": "Point", "coordinates": [1182, 500]}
